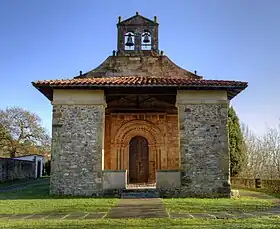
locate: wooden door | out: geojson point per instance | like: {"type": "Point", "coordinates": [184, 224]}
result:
{"type": "Point", "coordinates": [138, 160]}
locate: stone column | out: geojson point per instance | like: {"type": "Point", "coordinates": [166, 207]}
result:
{"type": "Point", "coordinates": [77, 142]}
{"type": "Point", "coordinates": [204, 143]}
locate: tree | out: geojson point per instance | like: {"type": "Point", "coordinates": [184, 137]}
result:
{"type": "Point", "coordinates": [237, 149]}
{"type": "Point", "coordinates": [22, 132]}
{"type": "Point", "coordinates": [263, 154]}
{"type": "Point", "coordinates": [3, 134]}
{"type": "Point", "coordinates": [272, 145]}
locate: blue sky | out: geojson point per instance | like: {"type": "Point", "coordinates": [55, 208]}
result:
{"type": "Point", "coordinates": [221, 39]}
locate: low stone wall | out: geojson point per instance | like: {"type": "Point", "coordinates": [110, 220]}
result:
{"type": "Point", "coordinates": [114, 179]}
{"type": "Point", "coordinates": [270, 185]}
{"type": "Point", "coordinates": [243, 183]}
{"type": "Point", "coordinates": [168, 179]}
{"type": "Point", "coordinates": [13, 169]}
{"type": "Point", "coordinates": [168, 183]}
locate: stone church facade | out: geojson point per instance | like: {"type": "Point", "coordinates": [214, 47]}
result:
{"type": "Point", "coordinates": [139, 119]}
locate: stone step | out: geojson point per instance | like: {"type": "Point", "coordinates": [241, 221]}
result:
{"type": "Point", "coordinates": [139, 193]}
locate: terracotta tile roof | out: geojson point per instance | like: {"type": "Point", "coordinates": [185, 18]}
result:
{"type": "Point", "coordinates": [139, 81]}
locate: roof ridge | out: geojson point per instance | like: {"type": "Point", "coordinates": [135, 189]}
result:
{"type": "Point", "coordinates": [123, 80]}
{"type": "Point", "coordinates": [137, 15]}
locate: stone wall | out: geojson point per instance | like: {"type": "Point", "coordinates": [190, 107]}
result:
{"type": "Point", "coordinates": [12, 169]}
{"type": "Point", "coordinates": [77, 150]}
{"type": "Point", "coordinates": [269, 185]}
{"type": "Point", "coordinates": [77, 144]}
{"type": "Point", "coordinates": [204, 145]}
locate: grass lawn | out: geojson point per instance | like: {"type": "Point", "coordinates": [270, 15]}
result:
{"type": "Point", "coordinates": [242, 204]}
{"type": "Point", "coordinates": [36, 199]}
{"type": "Point", "coordinates": [254, 223]}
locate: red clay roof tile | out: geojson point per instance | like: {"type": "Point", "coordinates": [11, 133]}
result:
{"type": "Point", "coordinates": [138, 80]}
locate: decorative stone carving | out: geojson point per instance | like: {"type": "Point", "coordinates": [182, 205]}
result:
{"type": "Point", "coordinates": [159, 130]}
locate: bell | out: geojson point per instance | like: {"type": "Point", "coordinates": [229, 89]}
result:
{"type": "Point", "coordinates": [129, 41]}
{"type": "Point", "coordinates": [146, 38]}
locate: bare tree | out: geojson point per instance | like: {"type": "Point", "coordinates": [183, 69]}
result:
{"type": "Point", "coordinates": [263, 154]}
{"type": "Point", "coordinates": [25, 131]}
{"type": "Point", "coordinates": [3, 134]}
{"type": "Point", "coordinates": [272, 144]}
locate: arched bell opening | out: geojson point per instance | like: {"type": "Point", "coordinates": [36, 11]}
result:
{"type": "Point", "coordinates": [146, 40]}
{"type": "Point", "coordinates": [129, 41]}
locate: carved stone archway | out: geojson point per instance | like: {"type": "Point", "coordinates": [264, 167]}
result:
{"type": "Point", "coordinates": [156, 144]}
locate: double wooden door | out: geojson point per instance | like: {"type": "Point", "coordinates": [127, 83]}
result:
{"type": "Point", "coordinates": [138, 160]}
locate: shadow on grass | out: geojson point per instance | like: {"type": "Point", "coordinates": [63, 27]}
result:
{"type": "Point", "coordinates": [10, 185]}
{"type": "Point", "coordinates": [260, 193]}
{"type": "Point", "coordinates": [35, 198]}
{"type": "Point", "coordinates": [36, 190]}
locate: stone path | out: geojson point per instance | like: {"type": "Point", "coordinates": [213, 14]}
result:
{"type": "Point", "coordinates": [54, 216]}
{"type": "Point", "coordinates": [228, 215]}
{"type": "Point", "coordinates": [137, 214]}
{"type": "Point", "coordinates": [138, 208]}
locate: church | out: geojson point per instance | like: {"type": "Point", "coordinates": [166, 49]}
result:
{"type": "Point", "coordinates": [139, 120]}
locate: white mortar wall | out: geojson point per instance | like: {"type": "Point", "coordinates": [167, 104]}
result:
{"type": "Point", "coordinates": [75, 96]}
{"type": "Point", "coordinates": [200, 96]}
